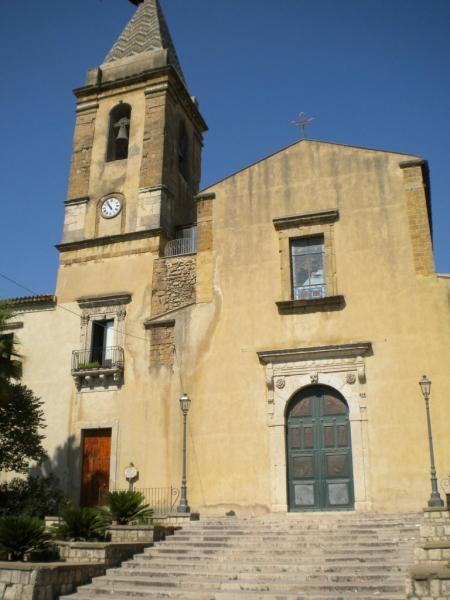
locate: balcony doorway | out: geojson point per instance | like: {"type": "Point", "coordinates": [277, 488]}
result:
{"type": "Point", "coordinates": [102, 342]}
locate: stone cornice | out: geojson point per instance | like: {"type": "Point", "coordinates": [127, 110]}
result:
{"type": "Point", "coordinates": [311, 304]}
{"type": "Point", "coordinates": [149, 324]}
{"type": "Point", "coordinates": [86, 107]}
{"type": "Point", "coordinates": [73, 201]}
{"type": "Point", "coordinates": [309, 218]}
{"type": "Point", "coordinates": [407, 164]}
{"type": "Point", "coordinates": [11, 326]}
{"type": "Point", "coordinates": [352, 350]}
{"type": "Point", "coordinates": [110, 239]}
{"type": "Point", "coordinates": [205, 196]}
{"type": "Point", "coordinates": [104, 300]}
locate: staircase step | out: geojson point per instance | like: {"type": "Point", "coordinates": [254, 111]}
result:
{"type": "Point", "coordinates": [291, 557]}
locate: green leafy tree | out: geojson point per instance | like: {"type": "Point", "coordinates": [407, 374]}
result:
{"type": "Point", "coordinates": [10, 366]}
{"type": "Point", "coordinates": [21, 419]}
{"type": "Point", "coordinates": [34, 496]}
{"type": "Point", "coordinates": [21, 414]}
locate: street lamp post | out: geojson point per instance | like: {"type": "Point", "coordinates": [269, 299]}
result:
{"type": "Point", "coordinates": [183, 507]}
{"type": "Point", "coordinates": [435, 500]}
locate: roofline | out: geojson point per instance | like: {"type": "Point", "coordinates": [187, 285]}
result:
{"type": "Point", "coordinates": [299, 142]}
{"type": "Point", "coordinates": [27, 300]}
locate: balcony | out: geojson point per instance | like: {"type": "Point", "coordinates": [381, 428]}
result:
{"type": "Point", "coordinates": [185, 243]}
{"type": "Point", "coordinates": [97, 366]}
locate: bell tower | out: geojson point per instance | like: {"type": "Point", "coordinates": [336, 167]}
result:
{"type": "Point", "coordinates": [137, 145]}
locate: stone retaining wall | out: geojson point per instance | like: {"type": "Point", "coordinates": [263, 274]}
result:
{"type": "Point", "coordinates": [430, 577]}
{"type": "Point", "coordinates": [44, 581]}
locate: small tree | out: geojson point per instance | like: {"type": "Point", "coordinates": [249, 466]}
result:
{"type": "Point", "coordinates": [10, 366]}
{"type": "Point", "coordinates": [21, 418]}
{"type": "Point", "coordinates": [21, 414]}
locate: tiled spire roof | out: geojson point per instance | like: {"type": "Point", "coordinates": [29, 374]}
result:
{"type": "Point", "coordinates": [146, 31]}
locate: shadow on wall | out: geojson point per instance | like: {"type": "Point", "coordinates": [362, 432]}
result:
{"type": "Point", "coordinates": [66, 466]}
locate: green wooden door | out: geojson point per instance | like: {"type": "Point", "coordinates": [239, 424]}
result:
{"type": "Point", "coordinates": [319, 452]}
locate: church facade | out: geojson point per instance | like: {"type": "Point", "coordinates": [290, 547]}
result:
{"type": "Point", "coordinates": [295, 302]}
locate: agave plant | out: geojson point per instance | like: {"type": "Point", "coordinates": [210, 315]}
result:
{"type": "Point", "coordinates": [82, 524]}
{"type": "Point", "coordinates": [126, 506]}
{"type": "Point", "coordinates": [21, 535]}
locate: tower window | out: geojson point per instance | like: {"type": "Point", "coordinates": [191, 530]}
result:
{"type": "Point", "coordinates": [119, 132]}
{"type": "Point", "coordinates": [183, 150]}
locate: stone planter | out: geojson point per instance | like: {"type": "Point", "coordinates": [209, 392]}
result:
{"type": "Point", "coordinates": [131, 533]}
{"type": "Point", "coordinates": [111, 554]}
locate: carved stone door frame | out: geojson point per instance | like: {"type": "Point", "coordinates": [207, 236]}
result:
{"type": "Point", "coordinates": [289, 370]}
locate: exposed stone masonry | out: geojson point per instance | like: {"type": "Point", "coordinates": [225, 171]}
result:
{"type": "Point", "coordinates": [430, 577]}
{"type": "Point", "coordinates": [174, 281]}
{"type": "Point", "coordinates": [418, 219]}
{"type": "Point", "coordinates": [162, 345]}
{"type": "Point", "coordinates": [81, 157]}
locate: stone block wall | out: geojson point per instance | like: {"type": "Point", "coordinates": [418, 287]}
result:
{"type": "Point", "coordinates": [434, 545]}
{"type": "Point", "coordinates": [162, 344]}
{"type": "Point", "coordinates": [44, 581]}
{"type": "Point", "coordinates": [82, 152]}
{"type": "Point", "coordinates": [131, 533]}
{"type": "Point", "coordinates": [106, 553]}
{"type": "Point", "coordinates": [174, 280]}
{"type": "Point", "coordinates": [418, 217]}
{"type": "Point", "coordinates": [430, 577]}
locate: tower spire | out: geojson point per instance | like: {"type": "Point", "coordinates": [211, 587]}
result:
{"type": "Point", "coordinates": [147, 31]}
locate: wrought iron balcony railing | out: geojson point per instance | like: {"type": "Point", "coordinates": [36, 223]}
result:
{"type": "Point", "coordinates": [97, 359]}
{"type": "Point", "coordinates": [185, 244]}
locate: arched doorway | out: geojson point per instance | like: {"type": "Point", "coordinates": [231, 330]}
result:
{"type": "Point", "coordinates": [319, 451]}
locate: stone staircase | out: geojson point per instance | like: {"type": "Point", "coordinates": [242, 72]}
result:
{"type": "Point", "coordinates": [277, 557]}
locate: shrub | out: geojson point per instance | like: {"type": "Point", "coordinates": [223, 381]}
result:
{"type": "Point", "coordinates": [82, 524]}
{"type": "Point", "coordinates": [126, 506]}
{"type": "Point", "coordinates": [21, 535]}
{"type": "Point", "coordinates": [34, 496]}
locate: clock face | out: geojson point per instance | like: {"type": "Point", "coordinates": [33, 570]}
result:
{"type": "Point", "coordinates": [111, 207]}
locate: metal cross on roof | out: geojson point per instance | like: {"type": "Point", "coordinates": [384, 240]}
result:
{"type": "Point", "coordinates": [301, 122]}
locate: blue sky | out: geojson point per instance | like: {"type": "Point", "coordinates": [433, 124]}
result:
{"type": "Point", "coordinates": [372, 72]}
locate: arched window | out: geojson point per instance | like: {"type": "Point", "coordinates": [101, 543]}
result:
{"type": "Point", "coordinates": [119, 132]}
{"type": "Point", "coordinates": [183, 150]}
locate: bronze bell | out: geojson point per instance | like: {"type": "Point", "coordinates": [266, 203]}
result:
{"type": "Point", "coordinates": [122, 124]}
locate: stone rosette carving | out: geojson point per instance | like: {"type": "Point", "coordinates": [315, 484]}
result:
{"type": "Point", "coordinates": [350, 378]}
{"type": "Point", "coordinates": [280, 383]}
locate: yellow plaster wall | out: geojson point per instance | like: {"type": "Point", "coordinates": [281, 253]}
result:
{"type": "Point", "coordinates": [403, 314]}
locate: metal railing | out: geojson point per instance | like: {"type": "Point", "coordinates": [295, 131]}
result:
{"type": "Point", "coordinates": [309, 292]}
{"type": "Point", "coordinates": [97, 358]}
{"type": "Point", "coordinates": [186, 243]}
{"type": "Point", "coordinates": [163, 500]}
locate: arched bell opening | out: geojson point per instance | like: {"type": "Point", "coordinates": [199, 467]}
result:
{"type": "Point", "coordinates": [319, 451]}
{"type": "Point", "coordinates": [119, 132]}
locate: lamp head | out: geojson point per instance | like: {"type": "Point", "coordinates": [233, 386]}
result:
{"type": "Point", "coordinates": [185, 402]}
{"type": "Point", "coordinates": [425, 385]}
